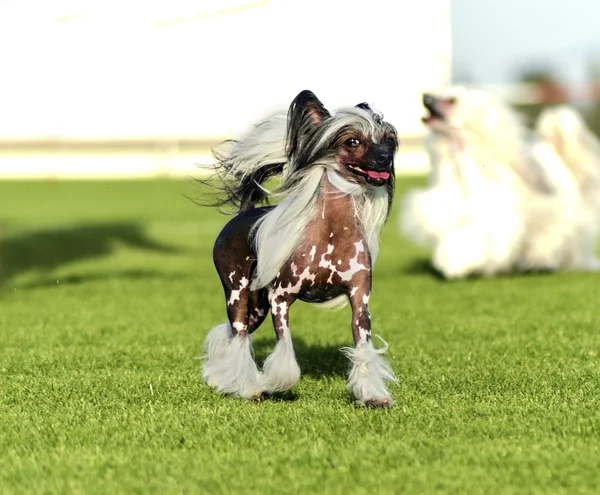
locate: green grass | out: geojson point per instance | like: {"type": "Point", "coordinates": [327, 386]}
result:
{"type": "Point", "coordinates": [108, 290]}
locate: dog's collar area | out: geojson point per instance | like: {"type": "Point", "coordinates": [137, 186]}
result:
{"type": "Point", "coordinates": [342, 184]}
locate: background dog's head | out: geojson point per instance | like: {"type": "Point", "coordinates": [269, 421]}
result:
{"type": "Point", "coordinates": [481, 125]}
{"type": "Point", "coordinates": [355, 142]}
{"type": "Point", "coordinates": [469, 113]}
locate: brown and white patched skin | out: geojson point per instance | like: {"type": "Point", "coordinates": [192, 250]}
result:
{"type": "Point", "coordinates": [317, 245]}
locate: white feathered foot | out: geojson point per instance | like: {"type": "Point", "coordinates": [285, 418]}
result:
{"type": "Point", "coordinates": [368, 374]}
{"type": "Point", "coordinates": [281, 371]}
{"type": "Point", "coordinates": [229, 366]}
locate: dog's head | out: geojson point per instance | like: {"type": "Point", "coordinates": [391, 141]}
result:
{"type": "Point", "coordinates": [464, 110]}
{"type": "Point", "coordinates": [355, 142]}
{"type": "Point", "coordinates": [440, 111]}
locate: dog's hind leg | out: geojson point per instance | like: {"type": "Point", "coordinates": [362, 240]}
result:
{"type": "Point", "coordinates": [369, 370]}
{"type": "Point", "coordinates": [258, 308]}
{"type": "Point", "coordinates": [281, 371]}
{"type": "Point", "coordinates": [229, 364]}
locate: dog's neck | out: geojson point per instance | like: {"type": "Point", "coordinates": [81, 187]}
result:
{"type": "Point", "coordinates": [342, 185]}
{"type": "Point", "coordinates": [361, 210]}
{"type": "Point", "coordinates": [337, 195]}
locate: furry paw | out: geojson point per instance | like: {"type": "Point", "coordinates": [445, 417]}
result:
{"type": "Point", "coordinates": [368, 375]}
{"type": "Point", "coordinates": [229, 366]}
{"type": "Point", "coordinates": [281, 371]}
{"type": "Point", "coordinates": [378, 403]}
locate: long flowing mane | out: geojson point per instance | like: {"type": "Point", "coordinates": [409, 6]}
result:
{"type": "Point", "coordinates": [278, 233]}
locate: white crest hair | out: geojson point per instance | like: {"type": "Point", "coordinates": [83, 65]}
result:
{"type": "Point", "coordinates": [372, 209]}
{"type": "Point", "coordinates": [279, 232]}
{"type": "Point", "coordinates": [263, 145]}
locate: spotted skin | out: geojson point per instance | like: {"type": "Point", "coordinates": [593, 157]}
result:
{"type": "Point", "coordinates": [332, 261]}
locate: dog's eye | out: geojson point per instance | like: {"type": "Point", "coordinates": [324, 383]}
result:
{"type": "Point", "coordinates": [452, 100]}
{"type": "Point", "coordinates": [352, 142]}
{"type": "Point", "coordinates": [389, 142]}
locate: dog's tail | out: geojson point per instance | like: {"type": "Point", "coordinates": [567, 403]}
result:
{"type": "Point", "coordinates": [243, 166]}
{"type": "Point", "coordinates": [565, 130]}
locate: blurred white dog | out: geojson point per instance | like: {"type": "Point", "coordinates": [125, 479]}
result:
{"type": "Point", "coordinates": [496, 202]}
{"type": "Point", "coordinates": [564, 141]}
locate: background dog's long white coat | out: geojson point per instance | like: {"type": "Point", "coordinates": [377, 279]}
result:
{"type": "Point", "coordinates": [499, 201]}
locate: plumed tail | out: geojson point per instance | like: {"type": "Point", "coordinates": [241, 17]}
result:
{"type": "Point", "coordinates": [242, 167]}
{"type": "Point", "coordinates": [565, 130]}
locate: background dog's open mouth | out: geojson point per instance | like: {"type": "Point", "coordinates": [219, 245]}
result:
{"type": "Point", "coordinates": [376, 175]}
{"type": "Point", "coordinates": [432, 113]}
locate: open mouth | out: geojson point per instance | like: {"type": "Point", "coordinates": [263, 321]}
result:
{"type": "Point", "coordinates": [433, 113]}
{"type": "Point", "coordinates": [375, 177]}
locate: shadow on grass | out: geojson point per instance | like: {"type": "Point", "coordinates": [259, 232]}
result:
{"type": "Point", "coordinates": [424, 267]}
{"type": "Point", "coordinates": [99, 277]}
{"type": "Point", "coordinates": [45, 250]}
{"type": "Point", "coordinates": [314, 360]}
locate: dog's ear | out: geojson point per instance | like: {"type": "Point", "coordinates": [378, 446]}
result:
{"type": "Point", "coordinates": [308, 107]}
{"type": "Point", "coordinates": [306, 112]}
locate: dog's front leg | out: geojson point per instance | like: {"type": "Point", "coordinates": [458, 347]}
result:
{"type": "Point", "coordinates": [281, 370]}
{"type": "Point", "coordinates": [369, 369]}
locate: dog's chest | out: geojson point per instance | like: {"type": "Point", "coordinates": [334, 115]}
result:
{"type": "Point", "coordinates": [331, 259]}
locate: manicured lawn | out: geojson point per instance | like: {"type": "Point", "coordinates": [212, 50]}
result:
{"type": "Point", "coordinates": [108, 290]}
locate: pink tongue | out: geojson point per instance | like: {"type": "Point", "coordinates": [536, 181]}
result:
{"type": "Point", "coordinates": [378, 175]}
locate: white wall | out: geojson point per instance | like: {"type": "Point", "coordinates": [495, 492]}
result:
{"type": "Point", "coordinates": [109, 69]}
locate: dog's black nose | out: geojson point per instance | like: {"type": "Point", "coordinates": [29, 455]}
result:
{"type": "Point", "coordinates": [384, 158]}
{"type": "Point", "coordinates": [428, 99]}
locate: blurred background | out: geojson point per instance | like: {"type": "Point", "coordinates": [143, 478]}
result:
{"type": "Point", "coordinates": [106, 88]}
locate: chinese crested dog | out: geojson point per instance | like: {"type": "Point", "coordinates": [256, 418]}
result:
{"type": "Point", "coordinates": [317, 245]}
{"type": "Point", "coordinates": [497, 201]}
